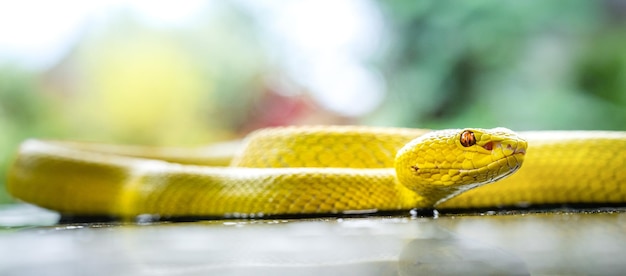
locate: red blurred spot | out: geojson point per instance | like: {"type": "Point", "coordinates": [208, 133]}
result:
{"type": "Point", "coordinates": [488, 146]}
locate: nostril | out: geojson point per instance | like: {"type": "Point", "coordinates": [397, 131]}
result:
{"type": "Point", "coordinates": [509, 147]}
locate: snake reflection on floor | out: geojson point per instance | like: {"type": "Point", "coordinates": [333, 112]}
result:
{"type": "Point", "coordinates": [325, 170]}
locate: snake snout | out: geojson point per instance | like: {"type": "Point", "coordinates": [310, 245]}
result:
{"type": "Point", "coordinates": [512, 148]}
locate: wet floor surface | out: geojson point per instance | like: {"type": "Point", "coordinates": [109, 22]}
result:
{"type": "Point", "coordinates": [570, 243]}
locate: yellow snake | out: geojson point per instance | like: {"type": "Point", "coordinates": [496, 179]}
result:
{"type": "Point", "coordinates": [325, 170]}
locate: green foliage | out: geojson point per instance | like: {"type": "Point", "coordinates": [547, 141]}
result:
{"type": "Point", "coordinates": [508, 63]}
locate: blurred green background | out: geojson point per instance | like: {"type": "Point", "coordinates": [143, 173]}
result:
{"type": "Point", "coordinates": [194, 72]}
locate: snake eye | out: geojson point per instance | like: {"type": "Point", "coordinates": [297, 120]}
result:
{"type": "Point", "coordinates": [468, 139]}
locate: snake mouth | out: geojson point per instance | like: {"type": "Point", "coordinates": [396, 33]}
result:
{"type": "Point", "coordinates": [492, 172]}
{"type": "Point", "coordinates": [497, 169]}
{"type": "Point", "coordinates": [513, 163]}
{"type": "Point", "coordinates": [489, 173]}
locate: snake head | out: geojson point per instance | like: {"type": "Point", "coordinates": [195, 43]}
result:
{"type": "Point", "coordinates": [442, 164]}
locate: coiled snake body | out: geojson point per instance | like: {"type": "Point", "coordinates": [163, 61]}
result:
{"type": "Point", "coordinates": [326, 170]}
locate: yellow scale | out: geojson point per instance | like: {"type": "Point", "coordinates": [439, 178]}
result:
{"type": "Point", "coordinates": [325, 169]}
